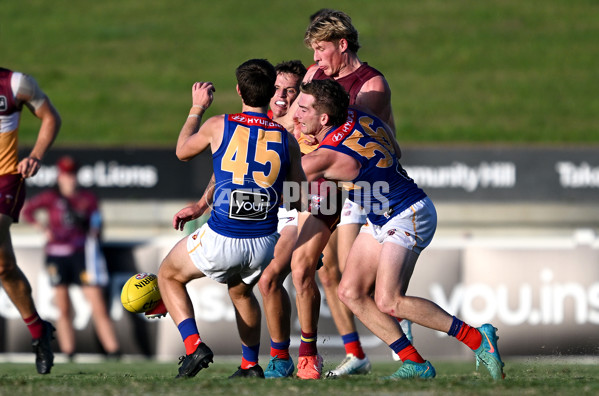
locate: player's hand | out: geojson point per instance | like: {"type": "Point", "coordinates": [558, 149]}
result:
{"type": "Point", "coordinates": [309, 140]}
{"type": "Point", "coordinates": [28, 167]}
{"type": "Point", "coordinates": [202, 94]}
{"type": "Point", "coordinates": [182, 217]}
{"type": "Point", "coordinates": [187, 214]}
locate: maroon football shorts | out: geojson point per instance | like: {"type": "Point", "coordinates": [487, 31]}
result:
{"type": "Point", "coordinates": [326, 202]}
{"type": "Point", "coordinates": [12, 195]}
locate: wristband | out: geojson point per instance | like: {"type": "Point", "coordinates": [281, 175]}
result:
{"type": "Point", "coordinates": [201, 107]}
{"type": "Point", "coordinates": [194, 116]}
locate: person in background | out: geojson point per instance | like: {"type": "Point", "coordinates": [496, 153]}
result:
{"type": "Point", "coordinates": [18, 90]}
{"type": "Point", "coordinates": [73, 257]}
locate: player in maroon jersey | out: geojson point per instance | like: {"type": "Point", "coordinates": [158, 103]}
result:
{"type": "Point", "coordinates": [18, 90]}
{"type": "Point", "coordinates": [334, 41]}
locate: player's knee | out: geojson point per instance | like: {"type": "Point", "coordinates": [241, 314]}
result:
{"type": "Point", "coordinates": [347, 294]}
{"type": "Point", "coordinates": [303, 278]}
{"type": "Point", "coordinates": [245, 296]}
{"type": "Point", "coordinates": [268, 283]}
{"type": "Point", "coordinates": [165, 274]}
{"type": "Point", "coordinates": [327, 278]}
{"type": "Point", "coordinates": [388, 303]}
{"type": "Point", "coordinates": [8, 269]}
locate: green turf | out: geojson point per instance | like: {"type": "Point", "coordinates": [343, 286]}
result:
{"type": "Point", "coordinates": [150, 378]}
{"type": "Point", "coordinates": [492, 71]}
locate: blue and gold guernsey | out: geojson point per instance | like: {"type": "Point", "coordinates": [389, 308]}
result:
{"type": "Point", "coordinates": [382, 187]}
{"type": "Point", "coordinates": [250, 167]}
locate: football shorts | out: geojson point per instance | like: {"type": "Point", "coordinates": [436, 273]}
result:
{"type": "Point", "coordinates": [413, 228]}
{"type": "Point", "coordinates": [352, 213]}
{"type": "Point", "coordinates": [220, 257]}
{"type": "Point", "coordinates": [286, 218]}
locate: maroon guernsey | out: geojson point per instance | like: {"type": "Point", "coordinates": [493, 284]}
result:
{"type": "Point", "coordinates": [68, 219]}
{"type": "Point", "coordinates": [353, 82]}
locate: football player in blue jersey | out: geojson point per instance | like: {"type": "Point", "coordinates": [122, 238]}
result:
{"type": "Point", "coordinates": [252, 158]}
{"type": "Point", "coordinates": [357, 147]}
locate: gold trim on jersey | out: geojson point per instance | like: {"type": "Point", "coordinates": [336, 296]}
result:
{"type": "Point", "coordinates": [8, 152]}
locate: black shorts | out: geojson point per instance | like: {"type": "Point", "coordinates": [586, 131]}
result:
{"type": "Point", "coordinates": [67, 270]}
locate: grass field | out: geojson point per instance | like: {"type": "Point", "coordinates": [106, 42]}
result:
{"type": "Point", "coordinates": [496, 71]}
{"type": "Point", "coordinates": [149, 378]}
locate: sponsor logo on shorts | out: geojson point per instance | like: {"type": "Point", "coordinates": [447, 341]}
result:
{"type": "Point", "coordinates": [3, 103]}
{"type": "Point", "coordinates": [315, 202]}
{"type": "Point", "coordinates": [388, 213]}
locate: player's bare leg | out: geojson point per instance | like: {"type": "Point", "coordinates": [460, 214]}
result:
{"type": "Point", "coordinates": [335, 255]}
{"type": "Point", "coordinates": [248, 317]}
{"type": "Point", "coordinates": [355, 291]}
{"type": "Point", "coordinates": [64, 324]}
{"type": "Point", "coordinates": [14, 282]}
{"type": "Point", "coordinates": [102, 322]}
{"type": "Point", "coordinates": [311, 241]}
{"type": "Point", "coordinates": [247, 311]}
{"type": "Point", "coordinates": [330, 276]}
{"type": "Point", "coordinates": [175, 272]}
{"type": "Point", "coordinates": [397, 263]}
{"type": "Point", "coordinates": [313, 237]}
{"type": "Point", "coordinates": [277, 305]}
{"type": "Point", "coordinates": [391, 273]}
{"type": "Point", "coordinates": [18, 289]}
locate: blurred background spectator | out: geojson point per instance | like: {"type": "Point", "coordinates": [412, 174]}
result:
{"type": "Point", "coordinates": [73, 226]}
